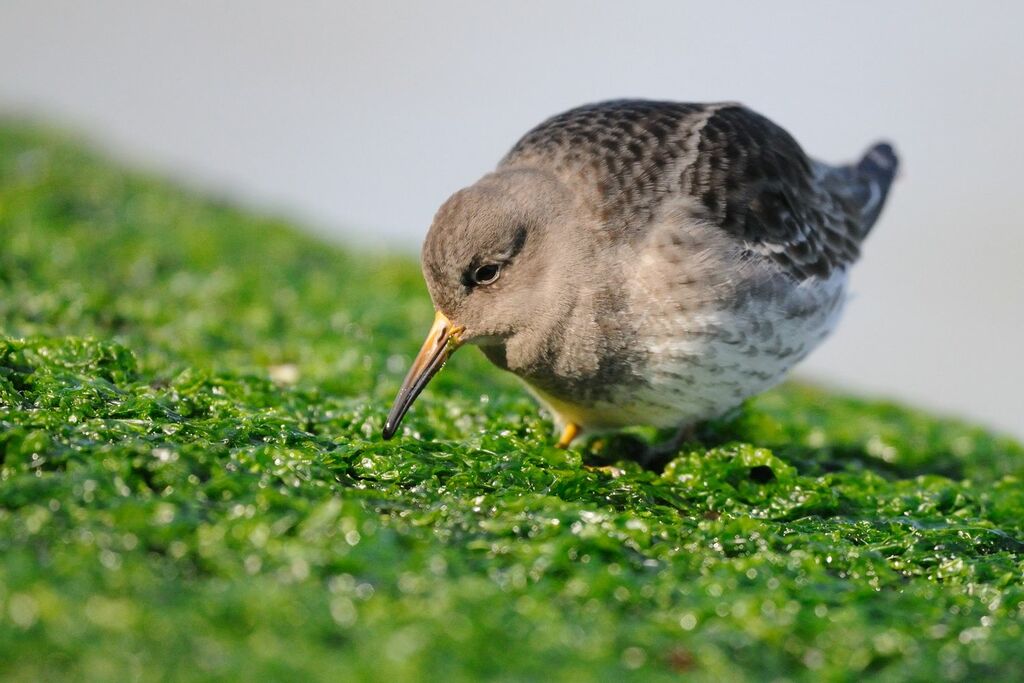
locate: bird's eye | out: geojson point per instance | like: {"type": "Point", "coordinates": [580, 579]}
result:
{"type": "Point", "coordinates": [486, 274]}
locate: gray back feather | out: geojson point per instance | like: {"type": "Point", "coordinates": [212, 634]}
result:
{"type": "Point", "coordinates": [744, 174]}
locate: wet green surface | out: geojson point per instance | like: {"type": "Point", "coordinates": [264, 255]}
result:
{"type": "Point", "coordinates": [192, 485]}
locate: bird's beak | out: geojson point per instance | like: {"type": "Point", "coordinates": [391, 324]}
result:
{"type": "Point", "coordinates": [441, 341]}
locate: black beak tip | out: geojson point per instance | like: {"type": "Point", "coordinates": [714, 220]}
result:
{"type": "Point", "coordinates": [389, 430]}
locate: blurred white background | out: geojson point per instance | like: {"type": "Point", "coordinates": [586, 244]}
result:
{"type": "Point", "coordinates": [361, 118]}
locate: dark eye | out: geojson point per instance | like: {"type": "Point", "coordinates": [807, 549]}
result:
{"type": "Point", "coordinates": [486, 274]}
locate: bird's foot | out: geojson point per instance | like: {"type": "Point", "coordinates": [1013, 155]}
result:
{"type": "Point", "coordinates": [569, 434]}
{"type": "Point", "coordinates": [610, 470]}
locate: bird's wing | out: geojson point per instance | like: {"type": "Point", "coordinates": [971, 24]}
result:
{"type": "Point", "coordinates": [741, 171]}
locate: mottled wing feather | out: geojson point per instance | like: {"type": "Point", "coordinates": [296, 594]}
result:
{"type": "Point", "coordinates": [744, 173]}
{"type": "Point", "coordinates": [758, 185]}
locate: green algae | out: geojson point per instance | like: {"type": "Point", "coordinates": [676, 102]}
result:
{"type": "Point", "coordinates": [192, 484]}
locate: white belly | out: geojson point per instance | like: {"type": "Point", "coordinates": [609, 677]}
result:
{"type": "Point", "coordinates": [702, 364]}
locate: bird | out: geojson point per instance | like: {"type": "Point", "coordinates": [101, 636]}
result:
{"type": "Point", "coordinates": [640, 262]}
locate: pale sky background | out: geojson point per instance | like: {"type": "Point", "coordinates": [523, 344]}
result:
{"type": "Point", "coordinates": [361, 118]}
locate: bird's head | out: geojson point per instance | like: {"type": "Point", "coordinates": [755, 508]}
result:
{"type": "Point", "coordinates": [497, 267]}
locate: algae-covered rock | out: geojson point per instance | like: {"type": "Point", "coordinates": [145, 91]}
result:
{"type": "Point", "coordinates": [192, 485]}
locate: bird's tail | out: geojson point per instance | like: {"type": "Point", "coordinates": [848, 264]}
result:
{"type": "Point", "coordinates": [880, 165]}
{"type": "Point", "coordinates": [864, 186]}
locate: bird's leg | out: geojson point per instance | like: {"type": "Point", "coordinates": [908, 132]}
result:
{"type": "Point", "coordinates": [660, 453]}
{"type": "Point", "coordinates": [571, 431]}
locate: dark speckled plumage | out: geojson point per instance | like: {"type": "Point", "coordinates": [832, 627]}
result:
{"type": "Point", "coordinates": [749, 176]}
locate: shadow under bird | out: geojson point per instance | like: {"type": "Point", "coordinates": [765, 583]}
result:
{"type": "Point", "coordinates": [646, 263]}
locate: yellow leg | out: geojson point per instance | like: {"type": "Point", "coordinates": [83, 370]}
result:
{"type": "Point", "coordinates": [570, 432]}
